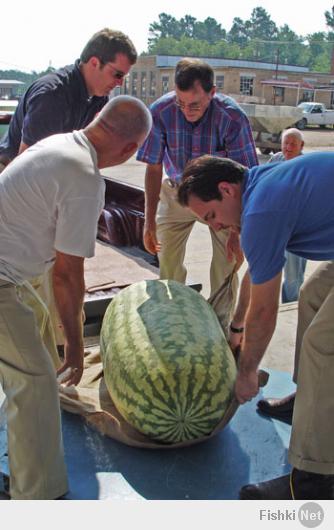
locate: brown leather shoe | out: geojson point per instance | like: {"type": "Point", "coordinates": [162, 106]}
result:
{"type": "Point", "coordinates": [278, 408]}
{"type": "Point", "coordinates": [302, 485]}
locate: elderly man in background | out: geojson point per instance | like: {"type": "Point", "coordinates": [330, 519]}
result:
{"type": "Point", "coordinates": [188, 122]}
{"type": "Point", "coordinates": [66, 100]}
{"type": "Point", "coordinates": [51, 197]}
{"type": "Point", "coordinates": [294, 269]}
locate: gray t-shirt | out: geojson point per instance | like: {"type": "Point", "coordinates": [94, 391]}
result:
{"type": "Point", "coordinates": [51, 197]}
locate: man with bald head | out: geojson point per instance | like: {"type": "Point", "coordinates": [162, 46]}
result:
{"type": "Point", "coordinates": [292, 143]}
{"type": "Point", "coordinates": [51, 197]}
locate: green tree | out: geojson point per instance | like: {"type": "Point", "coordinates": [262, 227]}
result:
{"type": "Point", "coordinates": [209, 31]}
{"type": "Point", "coordinates": [257, 38]}
{"type": "Point", "coordinates": [239, 32]}
{"type": "Point", "coordinates": [167, 26]}
{"type": "Point", "coordinates": [319, 51]}
{"type": "Point", "coordinates": [187, 25]}
{"type": "Point", "coordinates": [261, 26]}
{"type": "Point", "coordinates": [329, 15]}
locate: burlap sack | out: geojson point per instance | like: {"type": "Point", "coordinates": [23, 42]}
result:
{"type": "Point", "coordinates": [91, 400]}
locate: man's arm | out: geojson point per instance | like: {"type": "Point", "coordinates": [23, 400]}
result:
{"type": "Point", "coordinates": [238, 320]}
{"type": "Point", "coordinates": [240, 145]}
{"type": "Point", "coordinates": [259, 328]}
{"type": "Point", "coordinates": [153, 177]}
{"type": "Point", "coordinates": [69, 289]}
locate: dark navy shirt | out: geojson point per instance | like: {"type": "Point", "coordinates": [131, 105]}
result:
{"type": "Point", "coordinates": [56, 103]}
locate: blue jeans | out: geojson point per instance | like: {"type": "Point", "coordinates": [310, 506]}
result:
{"type": "Point", "coordinates": [293, 277]}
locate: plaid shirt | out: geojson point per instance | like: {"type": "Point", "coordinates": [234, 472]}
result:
{"type": "Point", "coordinates": [224, 131]}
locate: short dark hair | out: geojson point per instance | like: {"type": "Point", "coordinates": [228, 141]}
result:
{"type": "Point", "coordinates": [188, 71]}
{"type": "Point", "coordinates": [105, 44]}
{"type": "Point", "coordinates": [202, 176]}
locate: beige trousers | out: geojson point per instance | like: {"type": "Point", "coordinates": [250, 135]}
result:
{"type": "Point", "coordinates": [312, 437]}
{"type": "Point", "coordinates": [27, 375]}
{"type": "Point", "coordinates": [174, 224]}
{"type": "Point", "coordinates": [44, 287]}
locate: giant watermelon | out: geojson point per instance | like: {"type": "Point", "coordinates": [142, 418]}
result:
{"type": "Point", "coordinates": [167, 365]}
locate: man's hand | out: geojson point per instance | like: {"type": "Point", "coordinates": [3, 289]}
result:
{"type": "Point", "coordinates": [151, 242]}
{"type": "Point", "coordinates": [246, 386]}
{"type": "Point", "coordinates": [233, 249]}
{"type": "Point", "coordinates": [70, 372]}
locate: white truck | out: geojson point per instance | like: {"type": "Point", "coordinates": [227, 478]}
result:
{"type": "Point", "coordinates": [315, 114]}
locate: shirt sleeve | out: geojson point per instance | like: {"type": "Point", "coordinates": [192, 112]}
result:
{"type": "Point", "coordinates": [76, 226]}
{"type": "Point", "coordinates": [45, 114]}
{"type": "Point", "coordinates": [239, 141]}
{"type": "Point", "coordinates": [153, 149]}
{"type": "Point", "coordinates": [264, 239]}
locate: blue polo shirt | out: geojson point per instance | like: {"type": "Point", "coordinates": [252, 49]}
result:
{"type": "Point", "coordinates": [288, 205]}
{"type": "Point", "coordinates": [56, 103]}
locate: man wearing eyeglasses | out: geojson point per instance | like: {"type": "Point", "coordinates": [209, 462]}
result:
{"type": "Point", "coordinates": [66, 100]}
{"type": "Point", "coordinates": [189, 122]}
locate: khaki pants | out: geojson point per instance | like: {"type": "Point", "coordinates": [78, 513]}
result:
{"type": "Point", "coordinates": [312, 437]}
{"type": "Point", "coordinates": [44, 287]}
{"type": "Point", "coordinates": [27, 375]}
{"type": "Point", "coordinates": [174, 224]}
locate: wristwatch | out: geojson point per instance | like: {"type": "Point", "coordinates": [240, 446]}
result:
{"type": "Point", "coordinates": [236, 330]}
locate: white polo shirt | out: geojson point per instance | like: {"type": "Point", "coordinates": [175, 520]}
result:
{"type": "Point", "coordinates": [51, 197]}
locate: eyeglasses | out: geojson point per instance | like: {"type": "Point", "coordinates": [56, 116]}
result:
{"type": "Point", "coordinates": [192, 107]}
{"type": "Point", "coordinates": [118, 73]}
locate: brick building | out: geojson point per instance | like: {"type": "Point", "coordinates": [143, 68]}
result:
{"type": "Point", "coordinates": [246, 81]}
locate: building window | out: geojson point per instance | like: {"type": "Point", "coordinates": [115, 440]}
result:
{"type": "Point", "coordinates": [153, 84]}
{"type": "Point", "coordinates": [307, 95]}
{"type": "Point", "coordinates": [332, 100]}
{"type": "Point", "coordinates": [220, 83]}
{"type": "Point", "coordinates": [126, 85]}
{"type": "Point", "coordinates": [134, 83]}
{"type": "Point", "coordinates": [279, 92]}
{"type": "Point", "coordinates": [143, 85]}
{"type": "Point", "coordinates": [246, 85]}
{"type": "Point", "coordinates": [165, 84]}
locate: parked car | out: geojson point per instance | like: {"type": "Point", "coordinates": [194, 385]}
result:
{"type": "Point", "coordinates": [315, 114]}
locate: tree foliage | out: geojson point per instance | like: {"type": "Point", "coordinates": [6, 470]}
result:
{"type": "Point", "coordinates": [257, 38]}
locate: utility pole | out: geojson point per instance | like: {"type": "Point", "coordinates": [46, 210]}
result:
{"type": "Point", "coordinates": [276, 74]}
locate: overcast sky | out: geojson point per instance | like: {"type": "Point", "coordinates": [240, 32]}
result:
{"type": "Point", "coordinates": [34, 32]}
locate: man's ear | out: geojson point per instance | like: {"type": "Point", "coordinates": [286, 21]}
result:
{"type": "Point", "coordinates": [227, 189]}
{"type": "Point", "coordinates": [213, 91]}
{"type": "Point", "coordinates": [94, 62]}
{"type": "Point", "coordinates": [128, 148]}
